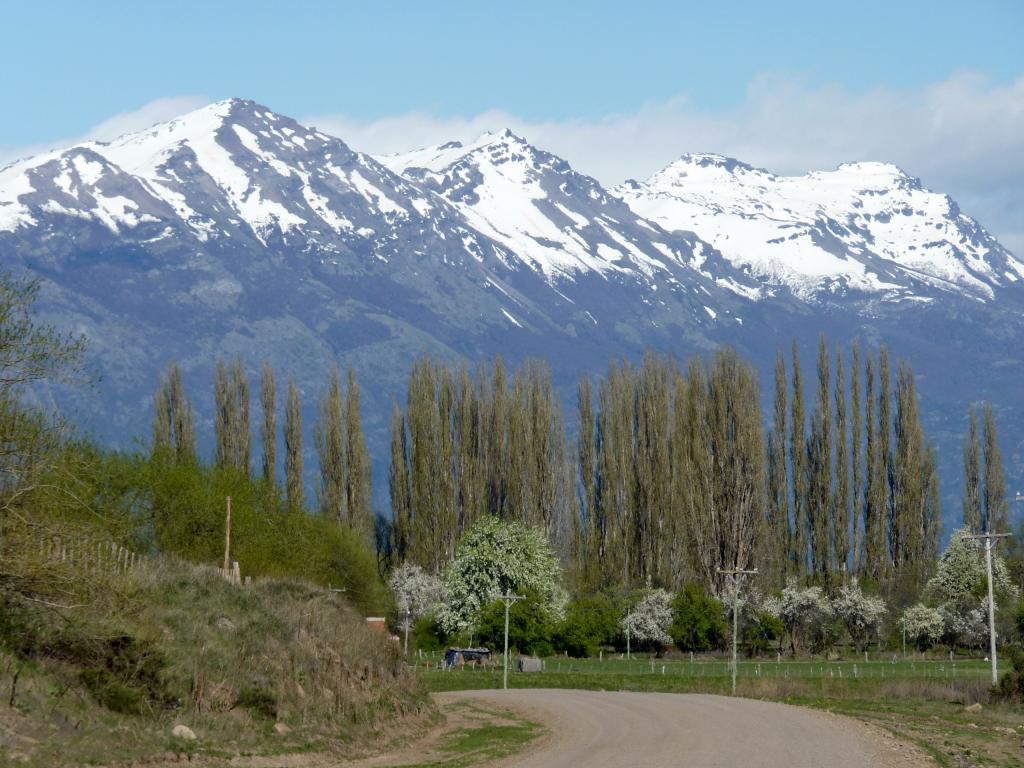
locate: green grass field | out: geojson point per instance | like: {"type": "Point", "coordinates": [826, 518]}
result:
{"type": "Point", "coordinates": [713, 676]}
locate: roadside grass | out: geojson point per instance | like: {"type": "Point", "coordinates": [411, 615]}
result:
{"type": "Point", "coordinates": [277, 667]}
{"type": "Point", "coordinates": [919, 701]}
{"type": "Point", "coordinates": [491, 735]}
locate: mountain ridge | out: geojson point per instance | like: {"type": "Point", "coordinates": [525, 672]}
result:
{"type": "Point", "coordinates": [234, 230]}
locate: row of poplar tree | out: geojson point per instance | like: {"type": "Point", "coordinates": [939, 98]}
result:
{"type": "Point", "coordinates": [672, 476]}
{"type": "Point", "coordinates": [344, 488]}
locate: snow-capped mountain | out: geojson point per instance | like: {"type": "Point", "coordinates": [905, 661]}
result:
{"type": "Point", "coordinates": [234, 229]}
{"type": "Point", "coordinates": [865, 227]}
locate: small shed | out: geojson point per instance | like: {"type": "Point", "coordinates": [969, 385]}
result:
{"type": "Point", "coordinates": [530, 664]}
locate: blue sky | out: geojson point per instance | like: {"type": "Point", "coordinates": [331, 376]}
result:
{"type": "Point", "coordinates": [618, 88]}
{"type": "Point", "coordinates": [71, 65]}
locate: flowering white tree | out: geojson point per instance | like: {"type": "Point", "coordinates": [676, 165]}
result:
{"type": "Point", "coordinates": [862, 614]}
{"type": "Point", "coordinates": [803, 611]}
{"type": "Point", "coordinates": [650, 619]}
{"type": "Point", "coordinates": [495, 557]}
{"type": "Point", "coordinates": [417, 593]}
{"type": "Point", "coordinates": [959, 588]}
{"type": "Point", "coordinates": [922, 624]}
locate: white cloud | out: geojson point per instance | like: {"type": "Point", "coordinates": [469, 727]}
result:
{"type": "Point", "coordinates": [156, 111]}
{"type": "Point", "coordinates": [963, 136]}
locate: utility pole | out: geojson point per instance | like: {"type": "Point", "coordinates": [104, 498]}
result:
{"type": "Point", "coordinates": [990, 542]}
{"type": "Point", "coordinates": [227, 538]}
{"type": "Point", "coordinates": [737, 574]}
{"type": "Point", "coordinates": [508, 598]}
{"type": "Point", "coordinates": [406, 645]}
{"type": "Point", "coordinates": [628, 613]}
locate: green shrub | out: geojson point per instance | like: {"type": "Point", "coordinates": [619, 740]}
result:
{"type": "Point", "coordinates": [1011, 684]}
{"type": "Point", "coordinates": [258, 700]}
{"type": "Point", "coordinates": [761, 632]}
{"type": "Point", "coordinates": [698, 620]}
{"type": "Point", "coordinates": [111, 693]}
{"type": "Point", "coordinates": [590, 622]}
{"type": "Point", "coordinates": [530, 631]}
{"type": "Point", "coordinates": [428, 634]}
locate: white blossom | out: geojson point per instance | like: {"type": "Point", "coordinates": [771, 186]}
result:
{"type": "Point", "coordinates": [650, 619]}
{"type": "Point", "coordinates": [803, 610]}
{"type": "Point", "coordinates": [496, 556]}
{"type": "Point", "coordinates": [922, 624]}
{"type": "Point", "coordinates": [959, 587]}
{"type": "Point", "coordinates": [417, 592]}
{"type": "Point", "coordinates": [862, 614]}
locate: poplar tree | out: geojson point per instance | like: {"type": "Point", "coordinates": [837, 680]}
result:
{"type": "Point", "coordinates": [329, 435]}
{"type": "Point", "coordinates": [778, 478]}
{"type": "Point", "coordinates": [268, 401]}
{"type": "Point", "coordinates": [173, 430]}
{"type": "Point", "coordinates": [231, 418]}
{"type": "Point", "coordinates": [885, 447]}
{"type": "Point", "coordinates": [874, 494]}
{"type": "Point", "coordinates": [427, 542]}
{"type": "Point", "coordinates": [398, 484]}
{"type": "Point", "coordinates": [357, 464]}
{"type": "Point", "coordinates": [222, 415]}
{"type": "Point", "coordinates": [972, 475]}
{"type": "Point", "coordinates": [588, 551]}
{"type": "Point", "coordinates": [856, 453]}
{"type": "Point", "coordinates": [293, 448]}
{"type": "Point", "coordinates": [908, 475]}
{"type": "Point", "coordinates": [819, 468]}
{"type": "Point", "coordinates": [243, 435]}
{"type": "Point", "coordinates": [798, 466]}
{"type": "Point", "coordinates": [841, 501]}
{"type": "Point", "coordinates": [996, 510]}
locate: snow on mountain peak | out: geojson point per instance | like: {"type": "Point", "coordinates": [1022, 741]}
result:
{"type": "Point", "coordinates": [865, 226]}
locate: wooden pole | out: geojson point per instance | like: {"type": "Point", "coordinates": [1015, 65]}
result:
{"type": "Point", "coordinates": [227, 538]}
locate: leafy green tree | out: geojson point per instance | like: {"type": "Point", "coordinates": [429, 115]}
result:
{"type": "Point", "coordinates": [590, 622]}
{"type": "Point", "coordinates": [531, 628]}
{"type": "Point", "coordinates": [761, 632]}
{"type": "Point", "coordinates": [698, 620]}
{"type": "Point", "coordinates": [497, 557]}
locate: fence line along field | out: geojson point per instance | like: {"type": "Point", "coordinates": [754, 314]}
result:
{"type": "Point", "coordinates": [704, 675]}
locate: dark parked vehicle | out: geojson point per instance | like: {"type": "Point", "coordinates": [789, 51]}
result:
{"type": "Point", "coordinates": [456, 656]}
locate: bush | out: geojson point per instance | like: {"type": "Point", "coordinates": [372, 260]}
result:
{"type": "Point", "coordinates": [530, 629]}
{"type": "Point", "coordinates": [590, 622]}
{"type": "Point", "coordinates": [698, 620]}
{"type": "Point", "coordinates": [258, 700]}
{"type": "Point", "coordinates": [761, 632]}
{"type": "Point", "coordinates": [1011, 684]}
{"type": "Point", "coordinates": [428, 634]}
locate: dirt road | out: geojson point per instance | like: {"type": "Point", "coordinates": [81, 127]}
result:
{"type": "Point", "coordinates": [590, 729]}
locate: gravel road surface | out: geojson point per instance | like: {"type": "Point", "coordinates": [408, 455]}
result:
{"type": "Point", "coordinates": [596, 729]}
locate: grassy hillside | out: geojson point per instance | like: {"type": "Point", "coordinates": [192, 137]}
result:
{"type": "Point", "coordinates": [104, 671]}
